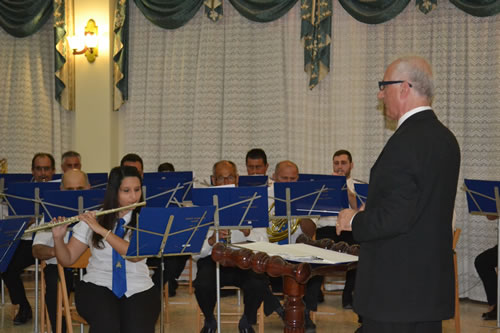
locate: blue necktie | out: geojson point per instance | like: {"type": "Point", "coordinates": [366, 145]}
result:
{"type": "Point", "coordinates": [119, 271]}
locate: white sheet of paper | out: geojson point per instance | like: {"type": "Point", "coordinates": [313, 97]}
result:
{"type": "Point", "coordinates": [300, 253]}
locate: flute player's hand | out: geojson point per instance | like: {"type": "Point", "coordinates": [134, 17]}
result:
{"type": "Point", "coordinates": [59, 231]}
{"type": "Point", "coordinates": [91, 220]}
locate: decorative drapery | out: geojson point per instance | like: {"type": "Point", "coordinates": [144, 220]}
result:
{"type": "Point", "coordinates": [316, 37]}
{"type": "Point", "coordinates": [374, 12]}
{"type": "Point", "coordinates": [170, 14]}
{"type": "Point", "coordinates": [23, 18]}
{"type": "Point", "coordinates": [426, 6]}
{"type": "Point", "coordinates": [64, 62]}
{"type": "Point", "coordinates": [120, 54]}
{"type": "Point", "coordinates": [214, 9]}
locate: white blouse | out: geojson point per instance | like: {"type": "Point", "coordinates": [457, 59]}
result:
{"type": "Point", "coordinates": [100, 270]}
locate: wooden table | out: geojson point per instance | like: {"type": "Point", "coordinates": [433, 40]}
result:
{"type": "Point", "coordinates": [295, 277]}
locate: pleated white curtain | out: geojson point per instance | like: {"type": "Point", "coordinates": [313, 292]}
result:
{"type": "Point", "coordinates": [209, 91]}
{"type": "Point", "coordinates": [31, 120]}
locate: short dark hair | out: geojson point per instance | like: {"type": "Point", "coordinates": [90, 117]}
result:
{"type": "Point", "coordinates": [166, 167]}
{"type": "Point", "coordinates": [37, 155]}
{"type": "Point", "coordinates": [343, 152]}
{"type": "Point", "coordinates": [256, 154]}
{"type": "Point", "coordinates": [131, 157]}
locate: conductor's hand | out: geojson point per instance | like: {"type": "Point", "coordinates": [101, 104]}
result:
{"type": "Point", "coordinates": [344, 220]}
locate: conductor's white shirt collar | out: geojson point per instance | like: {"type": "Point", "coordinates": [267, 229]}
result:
{"type": "Point", "coordinates": [411, 113]}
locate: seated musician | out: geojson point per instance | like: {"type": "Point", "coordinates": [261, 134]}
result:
{"type": "Point", "coordinates": [115, 295]}
{"type": "Point", "coordinates": [43, 168]}
{"type": "Point", "coordinates": [342, 166]}
{"type": "Point", "coordinates": [256, 162]}
{"type": "Point", "coordinates": [43, 248]}
{"type": "Point", "coordinates": [287, 171]}
{"type": "Point", "coordinates": [253, 285]}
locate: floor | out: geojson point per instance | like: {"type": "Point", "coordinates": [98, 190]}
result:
{"type": "Point", "coordinates": [331, 317]}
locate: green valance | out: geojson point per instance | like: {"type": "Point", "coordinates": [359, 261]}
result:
{"type": "Point", "coordinates": [263, 10]}
{"type": "Point", "coordinates": [170, 14]}
{"type": "Point", "coordinates": [375, 11]}
{"type": "Point", "coordinates": [24, 18]}
{"type": "Point", "coordinates": [478, 7]}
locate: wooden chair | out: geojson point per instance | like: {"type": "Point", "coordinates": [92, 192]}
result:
{"type": "Point", "coordinates": [63, 304]}
{"type": "Point", "coordinates": [456, 236]}
{"type": "Point", "coordinates": [44, 313]}
{"type": "Point", "coordinates": [237, 314]}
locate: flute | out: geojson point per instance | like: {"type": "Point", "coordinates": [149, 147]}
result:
{"type": "Point", "coordinates": [76, 219]}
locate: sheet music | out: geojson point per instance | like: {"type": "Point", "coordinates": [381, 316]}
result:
{"type": "Point", "coordinates": [300, 253]}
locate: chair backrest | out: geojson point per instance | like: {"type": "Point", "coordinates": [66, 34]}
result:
{"type": "Point", "coordinates": [83, 261]}
{"type": "Point", "coordinates": [456, 236]}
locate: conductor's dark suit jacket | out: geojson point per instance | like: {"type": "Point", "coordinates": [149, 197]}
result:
{"type": "Point", "coordinates": [405, 271]}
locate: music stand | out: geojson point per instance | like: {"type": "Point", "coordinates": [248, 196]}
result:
{"type": "Point", "coordinates": [361, 193]}
{"type": "Point", "coordinates": [163, 192]}
{"type": "Point", "coordinates": [483, 198]}
{"type": "Point", "coordinates": [167, 232]}
{"type": "Point", "coordinates": [258, 180]}
{"type": "Point", "coordinates": [11, 230]}
{"type": "Point", "coordinates": [183, 177]}
{"type": "Point", "coordinates": [70, 203]}
{"type": "Point", "coordinates": [310, 199]}
{"type": "Point", "coordinates": [236, 208]}
{"type": "Point", "coordinates": [98, 180]}
{"type": "Point", "coordinates": [24, 199]}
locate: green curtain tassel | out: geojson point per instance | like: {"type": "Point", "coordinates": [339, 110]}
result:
{"type": "Point", "coordinates": [214, 10]}
{"type": "Point", "coordinates": [425, 6]}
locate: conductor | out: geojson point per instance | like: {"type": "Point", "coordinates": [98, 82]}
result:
{"type": "Point", "coordinates": [405, 280]}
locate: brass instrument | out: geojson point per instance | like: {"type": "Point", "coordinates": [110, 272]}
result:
{"type": "Point", "coordinates": [3, 165]}
{"type": "Point", "coordinates": [76, 219]}
{"type": "Point", "coordinates": [278, 230]}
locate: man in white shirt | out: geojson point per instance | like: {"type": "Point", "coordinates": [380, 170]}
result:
{"type": "Point", "coordinates": [254, 285]}
{"type": "Point", "coordinates": [42, 168]}
{"type": "Point", "coordinates": [43, 248]}
{"type": "Point", "coordinates": [342, 166]}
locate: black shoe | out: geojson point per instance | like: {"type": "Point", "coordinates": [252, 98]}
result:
{"type": "Point", "coordinates": [359, 330]}
{"type": "Point", "coordinates": [310, 326]}
{"type": "Point", "coordinates": [23, 315]}
{"type": "Point", "coordinates": [281, 312]}
{"type": "Point", "coordinates": [490, 315]}
{"type": "Point", "coordinates": [244, 326]}
{"type": "Point", "coordinates": [347, 306]}
{"type": "Point", "coordinates": [210, 326]}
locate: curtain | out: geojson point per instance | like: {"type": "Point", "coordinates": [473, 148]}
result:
{"type": "Point", "coordinates": [23, 18]}
{"type": "Point", "coordinates": [31, 120]}
{"type": "Point", "coordinates": [209, 91]}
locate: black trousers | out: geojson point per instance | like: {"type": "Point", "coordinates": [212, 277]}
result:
{"type": "Point", "coordinates": [51, 278]}
{"type": "Point", "coordinates": [373, 326]}
{"type": "Point", "coordinates": [174, 265]}
{"type": "Point", "coordinates": [21, 259]}
{"type": "Point", "coordinates": [107, 313]}
{"type": "Point", "coordinates": [253, 285]}
{"type": "Point", "coordinates": [485, 263]}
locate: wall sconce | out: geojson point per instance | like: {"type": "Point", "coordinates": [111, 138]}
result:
{"type": "Point", "coordinates": [87, 44]}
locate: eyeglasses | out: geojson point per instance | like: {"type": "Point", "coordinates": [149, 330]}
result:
{"type": "Point", "coordinates": [221, 179]}
{"type": "Point", "coordinates": [382, 84]}
{"type": "Point", "coordinates": [43, 168]}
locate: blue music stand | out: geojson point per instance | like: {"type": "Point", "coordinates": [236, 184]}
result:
{"type": "Point", "coordinates": [70, 203]}
{"type": "Point", "coordinates": [246, 181]}
{"type": "Point", "coordinates": [303, 177]}
{"type": "Point", "coordinates": [323, 197]}
{"type": "Point", "coordinates": [164, 192]}
{"type": "Point", "coordinates": [169, 231]}
{"type": "Point", "coordinates": [183, 177]}
{"type": "Point", "coordinates": [21, 197]}
{"type": "Point", "coordinates": [11, 230]}
{"type": "Point", "coordinates": [483, 198]}
{"type": "Point", "coordinates": [361, 193]}
{"type": "Point", "coordinates": [98, 180]}
{"type": "Point", "coordinates": [237, 207]}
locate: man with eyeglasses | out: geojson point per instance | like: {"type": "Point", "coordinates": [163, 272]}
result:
{"type": "Point", "coordinates": [405, 280]}
{"type": "Point", "coordinates": [253, 285]}
{"type": "Point", "coordinates": [42, 169]}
